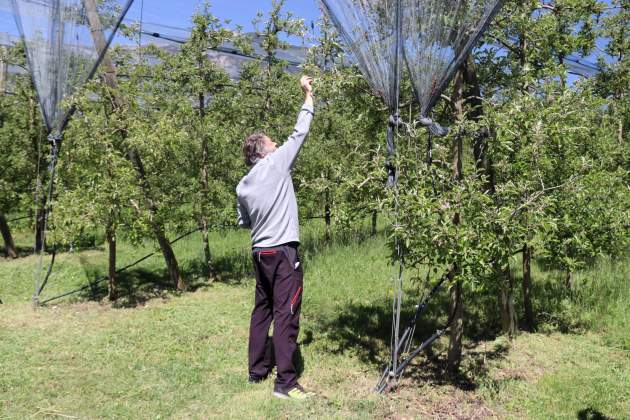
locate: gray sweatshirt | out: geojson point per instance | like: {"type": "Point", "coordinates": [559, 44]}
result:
{"type": "Point", "coordinates": [266, 199]}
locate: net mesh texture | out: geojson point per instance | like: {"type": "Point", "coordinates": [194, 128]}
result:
{"type": "Point", "coordinates": [437, 35]}
{"type": "Point", "coordinates": [368, 28]}
{"type": "Point", "coordinates": [64, 45]}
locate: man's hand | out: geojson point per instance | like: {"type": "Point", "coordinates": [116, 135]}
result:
{"type": "Point", "coordinates": [306, 82]}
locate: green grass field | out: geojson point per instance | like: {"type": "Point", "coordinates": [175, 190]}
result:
{"type": "Point", "coordinates": [159, 354]}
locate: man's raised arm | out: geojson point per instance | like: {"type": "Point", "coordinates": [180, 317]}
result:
{"type": "Point", "coordinates": [287, 153]}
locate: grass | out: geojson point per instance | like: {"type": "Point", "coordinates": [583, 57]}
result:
{"type": "Point", "coordinates": [159, 354]}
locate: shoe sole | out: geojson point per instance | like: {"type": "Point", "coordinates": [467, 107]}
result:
{"type": "Point", "coordinates": [281, 395]}
{"type": "Point", "coordinates": [286, 397]}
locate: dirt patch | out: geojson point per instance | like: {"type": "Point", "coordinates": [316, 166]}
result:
{"type": "Point", "coordinates": [442, 402]}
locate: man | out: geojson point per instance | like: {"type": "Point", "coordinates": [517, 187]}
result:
{"type": "Point", "coordinates": [267, 205]}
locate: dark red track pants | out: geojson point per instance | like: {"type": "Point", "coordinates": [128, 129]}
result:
{"type": "Point", "coordinates": [279, 283]}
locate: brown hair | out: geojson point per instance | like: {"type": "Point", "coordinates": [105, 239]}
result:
{"type": "Point", "coordinates": [253, 148]}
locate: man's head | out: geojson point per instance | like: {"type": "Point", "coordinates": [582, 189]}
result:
{"type": "Point", "coordinates": [256, 147]}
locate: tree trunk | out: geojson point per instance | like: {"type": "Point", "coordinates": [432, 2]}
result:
{"type": "Point", "coordinates": [456, 333]}
{"type": "Point", "coordinates": [169, 257]}
{"type": "Point", "coordinates": [3, 69]}
{"type": "Point", "coordinates": [96, 29]}
{"type": "Point", "coordinates": [9, 246]}
{"type": "Point", "coordinates": [157, 228]}
{"type": "Point", "coordinates": [39, 198]}
{"type": "Point", "coordinates": [374, 221]}
{"type": "Point", "coordinates": [523, 46]}
{"type": "Point", "coordinates": [327, 213]}
{"type": "Point", "coordinates": [111, 271]}
{"type": "Point", "coordinates": [483, 163]}
{"type": "Point", "coordinates": [569, 280]}
{"type": "Point", "coordinates": [457, 327]}
{"type": "Point", "coordinates": [207, 254]}
{"type": "Point", "coordinates": [205, 182]}
{"type": "Point", "coordinates": [508, 312]}
{"type": "Point", "coordinates": [527, 287]}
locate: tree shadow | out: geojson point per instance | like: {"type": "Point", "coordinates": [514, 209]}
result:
{"type": "Point", "coordinates": [137, 285]}
{"type": "Point", "coordinates": [364, 330]}
{"type": "Point", "coordinates": [23, 251]}
{"type": "Point", "coordinates": [591, 414]}
{"type": "Point", "coordinates": [433, 368]}
{"type": "Point", "coordinates": [133, 287]}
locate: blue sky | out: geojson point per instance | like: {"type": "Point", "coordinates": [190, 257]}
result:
{"type": "Point", "coordinates": [239, 12]}
{"type": "Point", "coordinates": [177, 13]}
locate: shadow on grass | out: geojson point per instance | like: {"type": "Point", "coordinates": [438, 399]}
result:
{"type": "Point", "coordinates": [138, 285]}
{"type": "Point", "coordinates": [27, 251]}
{"type": "Point", "coordinates": [434, 368]}
{"type": "Point", "coordinates": [364, 330]}
{"type": "Point", "coordinates": [134, 287]}
{"type": "Point", "coordinates": [591, 414]}
{"type": "Point", "coordinates": [23, 251]}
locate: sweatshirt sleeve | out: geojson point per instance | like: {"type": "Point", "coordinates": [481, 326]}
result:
{"type": "Point", "coordinates": [243, 216]}
{"type": "Point", "coordinates": [286, 154]}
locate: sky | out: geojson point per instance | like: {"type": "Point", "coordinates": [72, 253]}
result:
{"type": "Point", "coordinates": [177, 13]}
{"type": "Point", "coordinates": [165, 16]}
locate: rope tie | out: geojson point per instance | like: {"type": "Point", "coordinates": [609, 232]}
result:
{"type": "Point", "coordinates": [395, 120]}
{"type": "Point", "coordinates": [433, 127]}
{"type": "Point", "coordinates": [393, 123]}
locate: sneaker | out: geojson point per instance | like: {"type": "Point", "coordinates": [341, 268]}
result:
{"type": "Point", "coordinates": [296, 393]}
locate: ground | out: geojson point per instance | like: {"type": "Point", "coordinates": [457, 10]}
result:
{"type": "Point", "coordinates": [159, 354]}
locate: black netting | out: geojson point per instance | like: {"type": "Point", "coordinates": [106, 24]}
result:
{"type": "Point", "coordinates": [368, 28]}
{"type": "Point", "coordinates": [64, 45]}
{"type": "Point", "coordinates": [438, 35]}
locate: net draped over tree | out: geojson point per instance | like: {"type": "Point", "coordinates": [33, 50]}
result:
{"type": "Point", "coordinates": [368, 27]}
{"type": "Point", "coordinates": [437, 35]}
{"type": "Point", "coordinates": [434, 37]}
{"type": "Point", "coordinates": [65, 45]}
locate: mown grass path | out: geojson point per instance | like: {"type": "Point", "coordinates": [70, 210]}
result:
{"type": "Point", "coordinates": [184, 356]}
